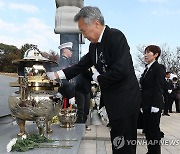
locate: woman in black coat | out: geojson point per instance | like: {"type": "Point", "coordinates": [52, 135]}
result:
{"type": "Point", "coordinates": [152, 85]}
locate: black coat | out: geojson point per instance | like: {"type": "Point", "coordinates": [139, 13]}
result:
{"type": "Point", "coordinates": [152, 86]}
{"type": "Point", "coordinates": [120, 91]}
{"type": "Point", "coordinates": [167, 86]}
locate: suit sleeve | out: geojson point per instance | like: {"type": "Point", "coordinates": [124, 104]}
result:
{"type": "Point", "coordinates": [158, 89]}
{"type": "Point", "coordinates": [78, 68]}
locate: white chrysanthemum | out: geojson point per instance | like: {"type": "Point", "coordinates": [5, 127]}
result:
{"type": "Point", "coordinates": [10, 144]}
{"type": "Point", "coordinates": [24, 136]}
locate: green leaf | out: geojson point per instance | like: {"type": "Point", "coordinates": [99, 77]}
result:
{"type": "Point", "coordinates": [30, 142]}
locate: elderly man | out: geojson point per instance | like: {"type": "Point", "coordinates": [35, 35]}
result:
{"type": "Point", "coordinates": [109, 52]}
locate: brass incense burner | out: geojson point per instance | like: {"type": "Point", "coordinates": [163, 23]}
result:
{"type": "Point", "coordinates": [67, 117]}
{"type": "Point", "coordinates": [37, 99]}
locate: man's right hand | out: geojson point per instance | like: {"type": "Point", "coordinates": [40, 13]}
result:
{"type": "Point", "coordinates": [55, 75]}
{"type": "Point", "coordinates": [51, 75]}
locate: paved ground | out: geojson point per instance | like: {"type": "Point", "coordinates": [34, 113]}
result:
{"type": "Point", "coordinates": [5, 92]}
{"type": "Point", "coordinates": [66, 137]}
{"type": "Point", "coordinates": [97, 140]}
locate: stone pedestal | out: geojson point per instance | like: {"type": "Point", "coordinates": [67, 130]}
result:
{"type": "Point", "coordinates": [66, 136]}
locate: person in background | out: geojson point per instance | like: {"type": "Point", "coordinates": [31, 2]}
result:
{"type": "Point", "coordinates": [67, 89]}
{"type": "Point", "coordinates": [152, 85]}
{"type": "Point", "coordinates": [174, 93]}
{"type": "Point", "coordinates": [83, 95]}
{"type": "Point", "coordinates": [65, 54]}
{"type": "Point", "coordinates": [167, 92]}
{"type": "Point", "coordinates": [109, 52]}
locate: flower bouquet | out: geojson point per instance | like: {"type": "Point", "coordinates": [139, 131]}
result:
{"type": "Point", "coordinates": [31, 141]}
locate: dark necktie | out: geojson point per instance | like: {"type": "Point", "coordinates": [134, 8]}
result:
{"type": "Point", "coordinates": [98, 48]}
{"type": "Point", "coordinates": [145, 72]}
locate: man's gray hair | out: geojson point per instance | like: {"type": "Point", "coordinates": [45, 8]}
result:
{"type": "Point", "coordinates": [89, 14]}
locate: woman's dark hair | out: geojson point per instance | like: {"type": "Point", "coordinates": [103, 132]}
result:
{"type": "Point", "coordinates": [154, 49]}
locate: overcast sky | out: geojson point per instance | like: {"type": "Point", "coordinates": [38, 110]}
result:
{"type": "Point", "coordinates": [143, 22]}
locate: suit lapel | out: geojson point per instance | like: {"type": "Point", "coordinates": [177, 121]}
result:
{"type": "Point", "coordinates": [144, 73]}
{"type": "Point", "coordinates": [151, 68]}
{"type": "Point", "coordinates": [102, 47]}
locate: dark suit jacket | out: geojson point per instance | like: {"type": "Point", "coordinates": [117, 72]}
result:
{"type": "Point", "coordinates": [152, 85]}
{"type": "Point", "coordinates": [119, 86]}
{"type": "Point", "coordinates": [167, 86]}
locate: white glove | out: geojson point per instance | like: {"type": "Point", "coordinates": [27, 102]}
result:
{"type": "Point", "coordinates": [51, 75]}
{"type": "Point", "coordinates": [58, 95]}
{"type": "Point", "coordinates": [61, 74]}
{"type": "Point", "coordinates": [72, 101]}
{"type": "Point", "coordinates": [95, 75]}
{"type": "Point", "coordinates": [169, 91]}
{"type": "Point", "coordinates": [154, 109]}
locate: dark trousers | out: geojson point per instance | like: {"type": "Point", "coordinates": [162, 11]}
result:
{"type": "Point", "coordinates": [174, 99]}
{"type": "Point", "coordinates": [152, 131]}
{"type": "Point", "coordinates": [124, 135]}
{"type": "Point", "coordinates": [167, 103]}
{"type": "Point", "coordinates": [83, 105]}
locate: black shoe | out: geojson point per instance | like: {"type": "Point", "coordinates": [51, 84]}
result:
{"type": "Point", "coordinates": [165, 114]}
{"type": "Point", "coordinates": [162, 134]}
{"type": "Point", "coordinates": [170, 111]}
{"type": "Point", "coordinates": [88, 128]}
{"type": "Point", "coordinates": [108, 125]}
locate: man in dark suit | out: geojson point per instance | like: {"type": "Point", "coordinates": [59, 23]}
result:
{"type": "Point", "coordinates": [167, 94]}
{"type": "Point", "coordinates": [174, 93]}
{"type": "Point", "coordinates": [109, 52]}
{"type": "Point", "coordinates": [152, 84]}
